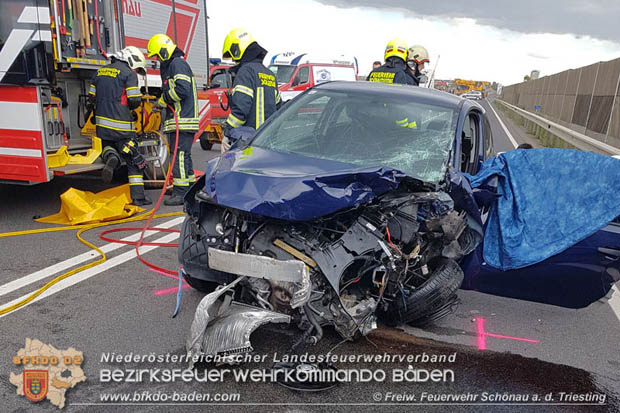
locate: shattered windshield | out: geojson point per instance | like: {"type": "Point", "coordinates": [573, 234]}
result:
{"type": "Point", "coordinates": [283, 72]}
{"type": "Point", "coordinates": [365, 129]}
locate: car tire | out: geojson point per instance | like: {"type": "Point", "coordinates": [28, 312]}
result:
{"type": "Point", "coordinates": [200, 285]}
{"type": "Point", "coordinates": [204, 141]}
{"type": "Point", "coordinates": [193, 256]}
{"type": "Point", "coordinates": [432, 297]}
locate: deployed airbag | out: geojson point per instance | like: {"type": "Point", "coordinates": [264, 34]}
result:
{"type": "Point", "coordinates": [550, 199]}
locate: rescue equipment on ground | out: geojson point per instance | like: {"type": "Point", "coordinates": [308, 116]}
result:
{"type": "Point", "coordinates": [83, 207]}
{"type": "Point", "coordinates": [149, 216]}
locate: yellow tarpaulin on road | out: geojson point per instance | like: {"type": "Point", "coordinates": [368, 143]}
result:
{"type": "Point", "coordinates": [82, 207]}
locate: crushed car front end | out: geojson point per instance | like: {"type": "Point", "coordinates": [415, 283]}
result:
{"type": "Point", "coordinates": [275, 233]}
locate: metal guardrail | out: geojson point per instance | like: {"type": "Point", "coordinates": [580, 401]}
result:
{"type": "Point", "coordinates": [579, 140]}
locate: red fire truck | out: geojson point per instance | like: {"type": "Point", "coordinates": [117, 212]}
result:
{"type": "Point", "coordinates": [50, 50]}
{"type": "Point", "coordinates": [216, 94]}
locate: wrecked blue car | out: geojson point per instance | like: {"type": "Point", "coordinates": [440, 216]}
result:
{"type": "Point", "coordinates": [350, 205]}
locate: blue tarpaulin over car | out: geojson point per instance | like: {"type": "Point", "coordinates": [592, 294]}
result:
{"type": "Point", "coordinates": [550, 199]}
{"type": "Point", "coordinates": [292, 187]}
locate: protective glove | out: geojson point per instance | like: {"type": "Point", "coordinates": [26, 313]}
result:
{"type": "Point", "coordinates": [139, 160]}
{"type": "Point", "coordinates": [226, 144]}
{"type": "Point", "coordinates": [130, 148]}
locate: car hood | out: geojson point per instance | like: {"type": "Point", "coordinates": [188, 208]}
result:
{"type": "Point", "coordinates": [290, 186]}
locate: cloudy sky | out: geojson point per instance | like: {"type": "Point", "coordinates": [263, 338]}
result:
{"type": "Point", "coordinates": [477, 39]}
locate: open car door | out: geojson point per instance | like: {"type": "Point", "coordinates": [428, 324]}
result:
{"type": "Point", "coordinates": [573, 278]}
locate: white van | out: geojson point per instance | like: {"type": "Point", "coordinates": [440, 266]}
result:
{"type": "Point", "coordinates": [298, 72]}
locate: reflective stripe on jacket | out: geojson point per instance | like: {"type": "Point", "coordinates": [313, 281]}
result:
{"type": "Point", "coordinates": [394, 70]}
{"type": "Point", "coordinates": [255, 96]}
{"type": "Point", "coordinates": [115, 92]}
{"type": "Point", "coordinates": [179, 91]}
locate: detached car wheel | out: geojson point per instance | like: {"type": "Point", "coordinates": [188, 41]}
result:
{"type": "Point", "coordinates": [431, 298]}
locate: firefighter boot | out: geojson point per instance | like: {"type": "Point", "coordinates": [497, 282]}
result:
{"type": "Point", "coordinates": [136, 190]}
{"type": "Point", "coordinates": [174, 200]}
{"type": "Point", "coordinates": [112, 160]}
{"type": "Point", "coordinates": [141, 202]}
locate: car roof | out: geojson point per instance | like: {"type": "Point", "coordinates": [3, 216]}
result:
{"type": "Point", "coordinates": [421, 94]}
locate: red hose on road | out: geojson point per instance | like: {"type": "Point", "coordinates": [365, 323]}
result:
{"type": "Point", "coordinates": [152, 213]}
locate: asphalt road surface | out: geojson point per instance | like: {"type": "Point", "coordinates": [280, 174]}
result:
{"type": "Point", "coordinates": [567, 358]}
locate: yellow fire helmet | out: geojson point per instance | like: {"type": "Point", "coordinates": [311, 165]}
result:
{"type": "Point", "coordinates": [418, 54]}
{"type": "Point", "coordinates": [161, 45]}
{"type": "Point", "coordinates": [235, 44]}
{"type": "Point", "coordinates": [396, 47]}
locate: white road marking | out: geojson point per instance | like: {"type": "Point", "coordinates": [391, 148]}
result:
{"type": "Point", "coordinates": [512, 139]}
{"type": "Point", "coordinates": [78, 259]}
{"type": "Point", "coordinates": [86, 274]}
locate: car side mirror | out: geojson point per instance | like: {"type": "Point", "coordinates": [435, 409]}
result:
{"type": "Point", "coordinates": [214, 86]}
{"type": "Point", "coordinates": [295, 81]}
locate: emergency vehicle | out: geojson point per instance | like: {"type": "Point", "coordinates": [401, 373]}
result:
{"type": "Point", "coordinates": [216, 94]}
{"type": "Point", "coordinates": [49, 52]}
{"type": "Point", "coordinates": [298, 72]}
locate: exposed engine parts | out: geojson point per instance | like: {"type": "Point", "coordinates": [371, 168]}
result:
{"type": "Point", "coordinates": [393, 259]}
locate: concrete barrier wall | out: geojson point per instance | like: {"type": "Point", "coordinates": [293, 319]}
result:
{"type": "Point", "coordinates": [586, 100]}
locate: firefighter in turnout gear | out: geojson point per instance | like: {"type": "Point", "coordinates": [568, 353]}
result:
{"type": "Point", "coordinates": [255, 95]}
{"type": "Point", "coordinates": [178, 91]}
{"type": "Point", "coordinates": [394, 70]}
{"type": "Point", "coordinates": [113, 95]}
{"type": "Point", "coordinates": [417, 58]}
